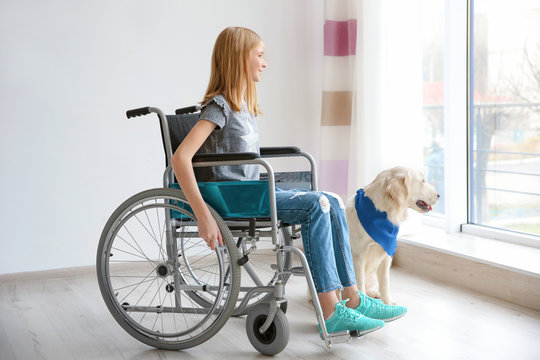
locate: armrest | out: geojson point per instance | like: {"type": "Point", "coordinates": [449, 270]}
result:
{"type": "Point", "coordinates": [226, 157]}
{"type": "Point", "coordinates": [279, 151]}
{"type": "Point", "coordinates": [292, 151]}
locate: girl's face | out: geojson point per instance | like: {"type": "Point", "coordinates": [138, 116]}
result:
{"type": "Point", "coordinates": [257, 62]}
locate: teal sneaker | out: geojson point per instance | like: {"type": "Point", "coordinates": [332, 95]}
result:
{"type": "Point", "coordinates": [345, 318]}
{"type": "Point", "coordinates": [376, 309]}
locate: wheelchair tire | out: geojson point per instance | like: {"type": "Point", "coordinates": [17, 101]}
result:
{"type": "Point", "coordinates": [273, 340]}
{"type": "Point", "coordinates": [148, 254]}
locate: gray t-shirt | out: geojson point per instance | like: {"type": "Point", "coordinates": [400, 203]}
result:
{"type": "Point", "coordinates": [235, 132]}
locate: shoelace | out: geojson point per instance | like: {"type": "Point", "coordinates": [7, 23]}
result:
{"type": "Point", "coordinates": [376, 304]}
{"type": "Point", "coordinates": [362, 298]}
{"type": "Point", "coordinates": [351, 315]}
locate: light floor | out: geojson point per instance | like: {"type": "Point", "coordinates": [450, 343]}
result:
{"type": "Point", "coordinates": [61, 315]}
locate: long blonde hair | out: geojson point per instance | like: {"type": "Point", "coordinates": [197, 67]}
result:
{"type": "Point", "coordinates": [230, 68]}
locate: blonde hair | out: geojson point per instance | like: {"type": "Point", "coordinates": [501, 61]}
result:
{"type": "Point", "coordinates": [230, 69]}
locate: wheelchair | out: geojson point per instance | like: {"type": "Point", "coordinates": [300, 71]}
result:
{"type": "Point", "coordinates": [168, 289]}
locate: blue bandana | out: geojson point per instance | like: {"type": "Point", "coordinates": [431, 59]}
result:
{"type": "Point", "coordinates": [376, 223]}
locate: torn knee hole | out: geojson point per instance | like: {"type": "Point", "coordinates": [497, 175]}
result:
{"type": "Point", "coordinates": [337, 197]}
{"type": "Point", "coordinates": [324, 203]}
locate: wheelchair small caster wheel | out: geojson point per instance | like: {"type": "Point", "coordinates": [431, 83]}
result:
{"type": "Point", "coordinates": [275, 338]}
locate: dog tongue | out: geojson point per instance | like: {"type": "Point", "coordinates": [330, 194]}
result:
{"type": "Point", "coordinates": [424, 205]}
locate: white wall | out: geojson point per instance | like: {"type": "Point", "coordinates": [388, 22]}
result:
{"type": "Point", "coordinates": [69, 69]}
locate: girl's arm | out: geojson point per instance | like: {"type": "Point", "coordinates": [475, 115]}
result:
{"type": "Point", "coordinates": [181, 163]}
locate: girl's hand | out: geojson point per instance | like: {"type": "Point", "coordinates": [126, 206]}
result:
{"type": "Point", "coordinates": [209, 231]}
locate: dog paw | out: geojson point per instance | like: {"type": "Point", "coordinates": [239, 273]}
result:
{"type": "Point", "coordinates": [374, 294]}
{"type": "Point", "coordinates": [389, 302]}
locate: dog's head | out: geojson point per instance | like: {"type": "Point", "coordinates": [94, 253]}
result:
{"type": "Point", "coordinates": [396, 189]}
{"type": "Point", "coordinates": [422, 195]}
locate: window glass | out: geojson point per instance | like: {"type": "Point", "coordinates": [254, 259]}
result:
{"type": "Point", "coordinates": [433, 95]}
{"type": "Point", "coordinates": [505, 115]}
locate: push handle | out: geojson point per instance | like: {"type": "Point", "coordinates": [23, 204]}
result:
{"type": "Point", "coordinates": [138, 112]}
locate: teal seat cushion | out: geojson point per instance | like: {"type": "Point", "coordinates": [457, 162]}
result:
{"type": "Point", "coordinates": [236, 199]}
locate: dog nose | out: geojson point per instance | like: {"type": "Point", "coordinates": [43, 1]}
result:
{"type": "Point", "coordinates": [438, 196]}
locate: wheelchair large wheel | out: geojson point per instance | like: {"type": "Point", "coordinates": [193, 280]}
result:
{"type": "Point", "coordinates": [160, 281]}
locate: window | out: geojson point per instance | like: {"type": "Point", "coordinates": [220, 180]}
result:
{"type": "Point", "coordinates": [433, 95]}
{"type": "Point", "coordinates": [501, 186]}
{"type": "Point", "coordinates": [505, 115]}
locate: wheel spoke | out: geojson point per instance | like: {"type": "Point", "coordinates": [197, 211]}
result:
{"type": "Point", "coordinates": [157, 293]}
{"type": "Point", "coordinates": [140, 250]}
{"type": "Point", "coordinates": [162, 252]}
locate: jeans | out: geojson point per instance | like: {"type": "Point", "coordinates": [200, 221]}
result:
{"type": "Point", "coordinates": [325, 235]}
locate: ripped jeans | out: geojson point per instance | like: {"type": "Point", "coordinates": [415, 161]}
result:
{"type": "Point", "coordinates": [325, 235]}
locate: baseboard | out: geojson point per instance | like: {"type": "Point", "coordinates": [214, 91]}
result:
{"type": "Point", "coordinates": [41, 275]}
{"type": "Point", "coordinates": [503, 282]}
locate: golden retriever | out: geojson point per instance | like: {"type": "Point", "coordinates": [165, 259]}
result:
{"type": "Point", "coordinates": [391, 193]}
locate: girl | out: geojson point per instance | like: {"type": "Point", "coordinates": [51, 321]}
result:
{"type": "Point", "coordinates": [227, 124]}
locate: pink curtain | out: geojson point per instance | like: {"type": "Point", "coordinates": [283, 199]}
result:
{"type": "Point", "coordinates": [371, 116]}
{"type": "Point", "coordinates": [340, 29]}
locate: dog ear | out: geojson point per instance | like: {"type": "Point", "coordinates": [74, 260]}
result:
{"type": "Point", "coordinates": [397, 189]}
{"type": "Point", "coordinates": [407, 182]}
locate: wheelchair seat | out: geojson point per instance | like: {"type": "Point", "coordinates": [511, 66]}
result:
{"type": "Point", "coordinates": [236, 199]}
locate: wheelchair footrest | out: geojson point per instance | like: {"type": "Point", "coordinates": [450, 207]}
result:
{"type": "Point", "coordinates": [338, 337]}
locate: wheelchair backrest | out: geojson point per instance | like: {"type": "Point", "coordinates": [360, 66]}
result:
{"type": "Point", "coordinates": [179, 127]}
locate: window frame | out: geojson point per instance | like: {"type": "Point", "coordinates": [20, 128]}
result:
{"type": "Point", "coordinates": [458, 101]}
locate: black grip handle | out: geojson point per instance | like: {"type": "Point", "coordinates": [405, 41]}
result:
{"type": "Point", "coordinates": [279, 151]}
{"type": "Point", "coordinates": [138, 112]}
{"type": "Point", "coordinates": [187, 110]}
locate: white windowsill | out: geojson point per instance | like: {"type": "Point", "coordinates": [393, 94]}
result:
{"type": "Point", "coordinates": [510, 256]}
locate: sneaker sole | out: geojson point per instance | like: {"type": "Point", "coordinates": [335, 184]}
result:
{"type": "Point", "coordinates": [394, 318]}
{"type": "Point", "coordinates": [356, 333]}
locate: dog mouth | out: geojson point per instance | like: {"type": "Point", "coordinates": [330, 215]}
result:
{"type": "Point", "coordinates": [423, 205]}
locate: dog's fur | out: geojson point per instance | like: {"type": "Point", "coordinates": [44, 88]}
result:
{"type": "Point", "coordinates": [393, 191]}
